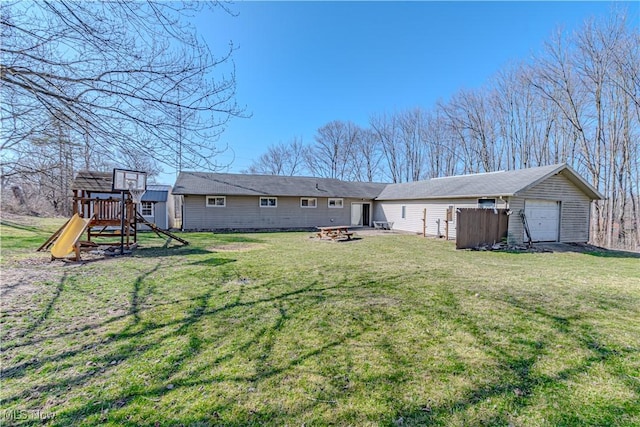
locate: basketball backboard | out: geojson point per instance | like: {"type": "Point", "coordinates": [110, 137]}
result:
{"type": "Point", "coordinates": [124, 180]}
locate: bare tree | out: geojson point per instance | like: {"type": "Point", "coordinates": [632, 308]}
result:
{"type": "Point", "coordinates": [114, 73]}
{"type": "Point", "coordinates": [411, 126]}
{"type": "Point", "coordinates": [282, 159]}
{"type": "Point", "coordinates": [43, 182]}
{"type": "Point", "coordinates": [331, 155]}
{"type": "Point", "coordinates": [442, 150]}
{"type": "Point", "coordinates": [367, 157]}
{"type": "Point", "coordinates": [471, 119]}
{"type": "Point", "coordinates": [386, 129]}
{"type": "Point", "coordinates": [589, 77]}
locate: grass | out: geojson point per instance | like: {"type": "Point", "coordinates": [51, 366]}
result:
{"type": "Point", "coordinates": [282, 329]}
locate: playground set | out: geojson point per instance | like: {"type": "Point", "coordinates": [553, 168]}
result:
{"type": "Point", "coordinates": [104, 206]}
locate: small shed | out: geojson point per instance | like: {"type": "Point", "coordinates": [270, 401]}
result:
{"type": "Point", "coordinates": [157, 206]}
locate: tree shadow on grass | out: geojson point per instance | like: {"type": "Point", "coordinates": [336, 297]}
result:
{"type": "Point", "coordinates": [136, 298]}
{"type": "Point", "coordinates": [192, 364]}
{"type": "Point", "coordinates": [580, 248]}
{"type": "Point", "coordinates": [589, 249]}
{"type": "Point", "coordinates": [609, 253]}
{"type": "Point", "coordinates": [117, 348]}
{"type": "Point", "coordinates": [40, 319]}
{"type": "Point", "coordinates": [155, 252]}
{"type": "Point", "coordinates": [517, 392]}
{"type": "Point", "coordinates": [213, 262]}
{"type": "Point", "coordinates": [234, 238]}
{"type": "Point", "coordinates": [520, 381]}
{"type": "Point", "coordinates": [22, 227]}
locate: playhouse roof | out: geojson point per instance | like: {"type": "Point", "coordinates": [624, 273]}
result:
{"type": "Point", "coordinates": [102, 182]}
{"type": "Point", "coordinates": [93, 182]}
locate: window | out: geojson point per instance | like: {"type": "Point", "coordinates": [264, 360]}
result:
{"type": "Point", "coordinates": [216, 201]}
{"type": "Point", "coordinates": [146, 208]}
{"type": "Point", "coordinates": [450, 213]}
{"type": "Point", "coordinates": [268, 202]}
{"type": "Point", "coordinates": [308, 202]}
{"type": "Point", "coordinates": [336, 203]}
{"type": "Point", "coordinates": [404, 212]}
{"type": "Point", "coordinates": [486, 203]}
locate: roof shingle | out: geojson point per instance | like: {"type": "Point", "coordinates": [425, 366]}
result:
{"type": "Point", "coordinates": [205, 183]}
{"type": "Point", "coordinates": [102, 182]}
{"type": "Point", "coordinates": [503, 183]}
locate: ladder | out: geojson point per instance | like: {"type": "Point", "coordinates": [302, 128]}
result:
{"type": "Point", "coordinates": [526, 227]}
{"type": "Point", "coordinates": [160, 231]}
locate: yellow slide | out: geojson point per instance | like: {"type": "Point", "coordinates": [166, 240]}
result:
{"type": "Point", "coordinates": [66, 241]}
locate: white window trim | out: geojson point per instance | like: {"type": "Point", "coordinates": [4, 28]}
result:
{"type": "Point", "coordinates": [153, 209]}
{"type": "Point", "coordinates": [335, 199]}
{"type": "Point", "coordinates": [267, 206]}
{"type": "Point", "coordinates": [214, 205]}
{"type": "Point", "coordinates": [453, 213]}
{"type": "Point", "coordinates": [495, 204]}
{"type": "Point", "coordinates": [315, 202]}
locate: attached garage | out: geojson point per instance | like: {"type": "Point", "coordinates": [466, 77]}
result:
{"type": "Point", "coordinates": [543, 219]}
{"type": "Point", "coordinates": [554, 200]}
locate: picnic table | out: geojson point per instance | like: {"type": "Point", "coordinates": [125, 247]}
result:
{"type": "Point", "coordinates": [335, 232]}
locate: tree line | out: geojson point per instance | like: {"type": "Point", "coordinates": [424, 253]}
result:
{"type": "Point", "coordinates": [95, 85]}
{"type": "Point", "coordinates": [577, 102]}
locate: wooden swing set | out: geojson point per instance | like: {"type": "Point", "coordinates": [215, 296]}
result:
{"type": "Point", "coordinates": [96, 201]}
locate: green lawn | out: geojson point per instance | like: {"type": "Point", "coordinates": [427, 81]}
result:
{"type": "Point", "coordinates": [282, 329]}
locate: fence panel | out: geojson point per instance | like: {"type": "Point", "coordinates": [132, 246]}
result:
{"type": "Point", "coordinates": [477, 227]}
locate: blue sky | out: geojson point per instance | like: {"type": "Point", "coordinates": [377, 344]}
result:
{"type": "Point", "coordinates": [300, 65]}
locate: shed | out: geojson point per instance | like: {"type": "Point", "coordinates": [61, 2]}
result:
{"type": "Point", "coordinates": [157, 206]}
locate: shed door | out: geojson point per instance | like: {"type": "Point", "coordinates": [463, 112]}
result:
{"type": "Point", "coordinates": [543, 218]}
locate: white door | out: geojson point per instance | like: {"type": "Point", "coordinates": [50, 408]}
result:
{"type": "Point", "coordinates": [543, 218]}
{"type": "Point", "coordinates": [356, 214]}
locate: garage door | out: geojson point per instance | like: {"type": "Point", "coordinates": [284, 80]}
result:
{"type": "Point", "coordinates": [543, 218]}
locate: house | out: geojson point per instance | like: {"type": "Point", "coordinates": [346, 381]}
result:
{"type": "Point", "coordinates": [556, 202]}
{"type": "Point", "coordinates": [156, 205]}
{"type": "Point", "coordinates": [216, 201]}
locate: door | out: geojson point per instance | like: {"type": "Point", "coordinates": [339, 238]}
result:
{"type": "Point", "coordinates": [543, 219]}
{"type": "Point", "coordinates": [366, 214]}
{"type": "Point", "coordinates": [360, 214]}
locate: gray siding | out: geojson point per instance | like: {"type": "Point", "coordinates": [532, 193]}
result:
{"type": "Point", "coordinates": [574, 209]}
{"type": "Point", "coordinates": [171, 211]}
{"type": "Point", "coordinates": [436, 214]}
{"type": "Point", "coordinates": [245, 212]}
{"type": "Point", "coordinates": [515, 235]}
{"type": "Point", "coordinates": [159, 217]}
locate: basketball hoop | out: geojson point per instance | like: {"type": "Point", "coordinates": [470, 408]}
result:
{"type": "Point", "coordinates": [136, 193]}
